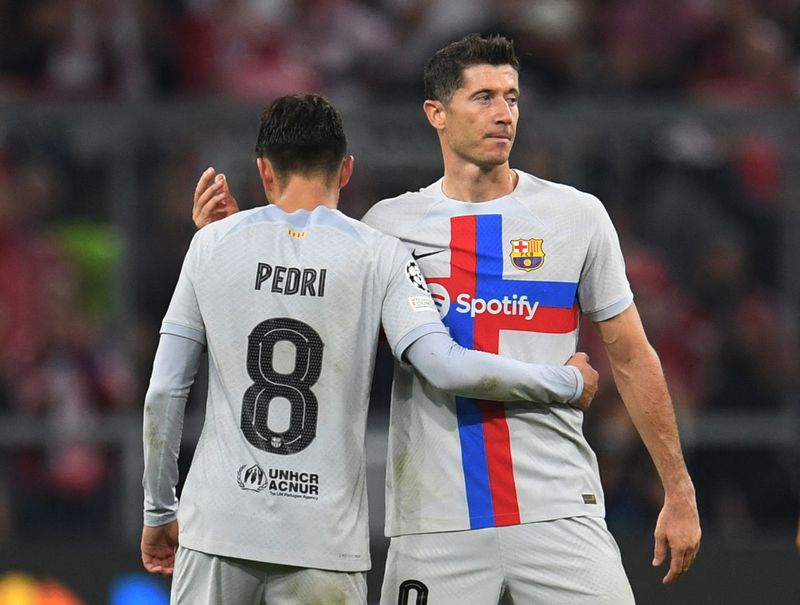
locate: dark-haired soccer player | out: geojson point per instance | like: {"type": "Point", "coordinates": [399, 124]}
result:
{"type": "Point", "coordinates": [289, 299]}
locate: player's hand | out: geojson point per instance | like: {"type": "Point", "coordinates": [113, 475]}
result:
{"type": "Point", "coordinates": [590, 379]}
{"type": "Point", "coordinates": [677, 529]}
{"type": "Point", "coordinates": [158, 548]}
{"type": "Point", "coordinates": [212, 199]}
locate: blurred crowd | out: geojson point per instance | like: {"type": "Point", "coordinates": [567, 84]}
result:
{"type": "Point", "coordinates": [699, 213]}
{"type": "Point", "coordinates": [717, 51]}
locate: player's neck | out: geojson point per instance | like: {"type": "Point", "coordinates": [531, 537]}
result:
{"type": "Point", "coordinates": [470, 183]}
{"type": "Point", "coordinates": [304, 194]}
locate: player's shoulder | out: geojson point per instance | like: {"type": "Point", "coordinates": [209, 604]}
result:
{"type": "Point", "coordinates": [209, 236]}
{"type": "Point", "coordinates": [407, 205]}
{"type": "Point", "coordinates": [221, 228]}
{"type": "Point", "coordinates": [531, 187]}
{"type": "Point", "coordinates": [373, 237]}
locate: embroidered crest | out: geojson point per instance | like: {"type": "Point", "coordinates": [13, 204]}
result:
{"type": "Point", "coordinates": [527, 254]}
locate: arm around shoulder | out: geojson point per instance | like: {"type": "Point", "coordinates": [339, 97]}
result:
{"type": "Point", "coordinates": [454, 369]}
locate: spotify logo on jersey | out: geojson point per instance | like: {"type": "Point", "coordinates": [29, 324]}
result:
{"type": "Point", "coordinates": [513, 305]}
{"type": "Point", "coordinates": [441, 297]}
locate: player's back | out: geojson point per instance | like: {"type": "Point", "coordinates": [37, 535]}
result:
{"type": "Point", "coordinates": [291, 306]}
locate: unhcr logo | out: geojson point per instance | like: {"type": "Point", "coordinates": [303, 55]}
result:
{"type": "Point", "coordinates": [252, 479]}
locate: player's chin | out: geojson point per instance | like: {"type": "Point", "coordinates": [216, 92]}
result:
{"type": "Point", "coordinates": [493, 160]}
{"type": "Point", "coordinates": [497, 153]}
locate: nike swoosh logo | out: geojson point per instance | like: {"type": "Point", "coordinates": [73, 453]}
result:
{"type": "Point", "coordinates": [416, 256]}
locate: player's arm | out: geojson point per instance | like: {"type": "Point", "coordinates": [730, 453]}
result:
{"type": "Point", "coordinates": [212, 199]}
{"type": "Point", "coordinates": [641, 384]}
{"type": "Point", "coordinates": [454, 369]}
{"type": "Point", "coordinates": [175, 366]}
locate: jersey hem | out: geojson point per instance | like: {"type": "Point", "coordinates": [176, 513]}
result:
{"type": "Point", "coordinates": [275, 559]}
{"type": "Point", "coordinates": [444, 526]}
{"type": "Point", "coordinates": [167, 327]}
{"type": "Point", "coordinates": [415, 334]}
{"type": "Point", "coordinates": [611, 311]}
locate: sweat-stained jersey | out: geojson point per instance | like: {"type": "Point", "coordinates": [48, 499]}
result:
{"type": "Point", "coordinates": [290, 306]}
{"type": "Point", "coordinates": [510, 276]}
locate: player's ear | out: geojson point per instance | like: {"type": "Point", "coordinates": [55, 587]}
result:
{"type": "Point", "coordinates": [267, 176]}
{"type": "Point", "coordinates": [435, 112]}
{"type": "Point", "coordinates": [346, 171]}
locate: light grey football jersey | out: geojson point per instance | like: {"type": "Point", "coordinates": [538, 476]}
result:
{"type": "Point", "coordinates": [290, 306]}
{"type": "Point", "coordinates": [510, 276]}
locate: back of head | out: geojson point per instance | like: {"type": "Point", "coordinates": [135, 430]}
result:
{"type": "Point", "coordinates": [302, 134]}
{"type": "Point", "coordinates": [444, 70]}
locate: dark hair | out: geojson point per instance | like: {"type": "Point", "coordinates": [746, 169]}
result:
{"type": "Point", "coordinates": [302, 134]}
{"type": "Point", "coordinates": [444, 71]}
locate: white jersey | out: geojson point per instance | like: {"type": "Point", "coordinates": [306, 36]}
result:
{"type": "Point", "coordinates": [510, 276]}
{"type": "Point", "coordinates": [290, 306]}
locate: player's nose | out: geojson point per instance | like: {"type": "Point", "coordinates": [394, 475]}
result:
{"type": "Point", "coordinates": [503, 113]}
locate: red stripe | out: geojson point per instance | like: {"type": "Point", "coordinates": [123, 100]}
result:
{"type": "Point", "coordinates": [463, 257]}
{"type": "Point", "coordinates": [501, 467]}
{"type": "Point", "coordinates": [546, 320]}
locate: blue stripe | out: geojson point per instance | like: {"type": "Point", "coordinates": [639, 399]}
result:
{"type": "Point", "coordinates": [470, 419]}
{"type": "Point", "coordinates": [474, 463]}
{"type": "Point", "coordinates": [461, 327]}
{"type": "Point", "coordinates": [489, 244]}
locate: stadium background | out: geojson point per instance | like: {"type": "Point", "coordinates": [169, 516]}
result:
{"type": "Point", "coordinates": [681, 115]}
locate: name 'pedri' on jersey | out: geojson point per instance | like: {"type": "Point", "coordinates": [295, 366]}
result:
{"type": "Point", "coordinates": [510, 276]}
{"type": "Point", "coordinates": [290, 306]}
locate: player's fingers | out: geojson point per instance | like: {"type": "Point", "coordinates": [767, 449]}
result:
{"type": "Point", "coordinates": [202, 184]}
{"type": "Point", "coordinates": [149, 564]}
{"type": "Point", "coordinates": [682, 560]}
{"type": "Point", "coordinates": [211, 210]}
{"type": "Point", "coordinates": [688, 560]}
{"type": "Point", "coordinates": [671, 576]}
{"type": "Point", "coordinates": [660, 551]}
{"type": "Point", "coordinates": [221, 181]}
{"type": "Point", "coordinates": [209, 202]}
{"type": "Point", "coordinates": [576, 357]}
{"type": "Point", "coordinates": [202, 200]}
{"type": "Point", "coordinates": [205, 179]}
{"type": "Point", "coordinates": [159, 570]}
{"type": "Point", "coordinates": [676, 566]}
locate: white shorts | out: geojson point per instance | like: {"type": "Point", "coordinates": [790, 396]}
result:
{"type": "Point", "coordinates": [573, 561]}
{"type": "Point", "coordinates": [203, 579]}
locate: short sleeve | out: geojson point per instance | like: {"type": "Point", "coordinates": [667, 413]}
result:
{"type": "Point", "coordinates": [183, 316]}
{"type": "Point", "coordinates": [408, 310]}
{"type": "Point", "coordinates": [603, 291]}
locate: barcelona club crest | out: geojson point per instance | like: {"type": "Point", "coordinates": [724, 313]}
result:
{"type": "Point", "coordinates": [527, 254]}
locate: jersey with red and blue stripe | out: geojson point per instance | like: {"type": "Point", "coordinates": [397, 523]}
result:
{"type": "Point", "coordinates": [510, 276]}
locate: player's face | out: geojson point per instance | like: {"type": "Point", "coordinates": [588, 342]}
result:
{"type": "Point", "coordinates": [481, 118]}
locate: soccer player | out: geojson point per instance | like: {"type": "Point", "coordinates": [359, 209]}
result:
{"type": "Point", "coordinates": [289, 299]}
{"type": "Point", "coordinates": [513, 261]}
